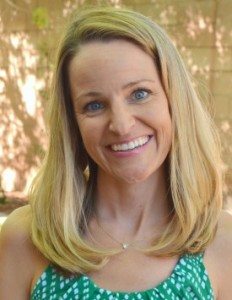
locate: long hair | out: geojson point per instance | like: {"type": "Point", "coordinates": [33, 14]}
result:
{"type": "Point", "coordinates": [61, 195]}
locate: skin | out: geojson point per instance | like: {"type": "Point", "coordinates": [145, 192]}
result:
{"type": "Point", "coordinates": [131, 189]}
{"type": "Point", "coordinates": [129, 105]}
{"type": "Point", "coordinates": [119, 114]}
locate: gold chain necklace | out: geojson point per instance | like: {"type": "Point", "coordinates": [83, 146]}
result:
{"type": "Point", "coordinates": [124, 246]}
{"type": "Point", "coordinates": [127, 245]}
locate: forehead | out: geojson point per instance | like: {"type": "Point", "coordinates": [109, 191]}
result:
{"type": "Point", "coordinates": [116, 59]}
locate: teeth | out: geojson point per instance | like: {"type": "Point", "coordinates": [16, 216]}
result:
{"type": "Point", "coordinates": [131, 145]}
{"type": "Point", "coordinates": [136, 143]}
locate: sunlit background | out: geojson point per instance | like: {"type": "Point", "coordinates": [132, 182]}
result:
{"type": "Point", "coordinates": [29, 33]}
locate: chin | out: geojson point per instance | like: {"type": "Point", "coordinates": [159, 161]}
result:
{"type": "Point", "coordinates": [134, 177]}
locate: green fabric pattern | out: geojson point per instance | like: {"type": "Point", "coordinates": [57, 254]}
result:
{"type": "Point", "coordinates": [188, 280]}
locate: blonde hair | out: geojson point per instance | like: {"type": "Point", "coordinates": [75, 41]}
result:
{"type": "Point", "coordinates": [61, 194]}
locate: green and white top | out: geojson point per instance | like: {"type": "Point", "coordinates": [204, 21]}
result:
{"type": "Point", "coordinates": [188, 280]}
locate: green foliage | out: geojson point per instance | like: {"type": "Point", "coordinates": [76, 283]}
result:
{"type": "Point", "coordinates": [2, 194]}
{"type": "Point", "coordinates": [40, 17]}
{"type": "Point", "coordinates": [2, 200]}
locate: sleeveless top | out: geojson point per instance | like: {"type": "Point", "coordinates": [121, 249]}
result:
{"type": "Point", "coordinates": [188, 280]}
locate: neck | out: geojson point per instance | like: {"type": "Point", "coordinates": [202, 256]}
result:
{"type": "Point", "coordinates": [137, 207]}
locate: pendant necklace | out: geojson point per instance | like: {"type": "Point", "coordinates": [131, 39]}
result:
{"type": "Point", "coordinates": [124, 246]}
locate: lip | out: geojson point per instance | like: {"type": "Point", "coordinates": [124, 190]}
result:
{"type": "Point", "coordinates": [119, 142]}
{"type": "Point", "coordinates": [130, 153]}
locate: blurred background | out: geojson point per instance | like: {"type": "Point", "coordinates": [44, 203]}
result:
{"type": "Point", "coordinates": [29, 33]}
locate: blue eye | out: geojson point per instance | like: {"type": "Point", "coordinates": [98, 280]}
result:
{"type": "Point", "coordinates": [141, 94]}
{"type": "Point", "coordinates": [94, 106]}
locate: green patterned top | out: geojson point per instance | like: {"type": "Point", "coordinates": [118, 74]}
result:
{"type": "Point", "coordinates": [188, 280]}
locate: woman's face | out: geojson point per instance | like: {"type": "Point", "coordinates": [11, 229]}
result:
{"type": "Point", "coordinates": [121, 109]}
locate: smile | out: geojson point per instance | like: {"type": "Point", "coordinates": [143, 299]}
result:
{"type": "Point", "coordinates": [131, 145]}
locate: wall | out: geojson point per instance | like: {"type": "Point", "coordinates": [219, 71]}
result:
{"type": "Point", "coordinates": [29, 31]}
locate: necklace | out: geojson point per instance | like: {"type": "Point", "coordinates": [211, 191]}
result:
{"type": "Point", "coordinates": [124, 246]}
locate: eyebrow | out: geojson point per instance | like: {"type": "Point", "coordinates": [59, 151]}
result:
{"type": "Point", "coordinates": [94, 94]}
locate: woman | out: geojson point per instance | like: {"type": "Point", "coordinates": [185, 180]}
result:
{"type": "Point", "coordinates": [127, 204]}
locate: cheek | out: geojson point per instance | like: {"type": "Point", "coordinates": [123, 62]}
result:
{"type": "Point", "coordinates": [90, 134]}
{"type": "Point", "coordinates": [166, 128]}
{"type": "Point", "coordinates": [164, 118]}
{"type": "Point", "coordinates": [162, 124]}
{"type": "Point", "coordinates": [160, 119]}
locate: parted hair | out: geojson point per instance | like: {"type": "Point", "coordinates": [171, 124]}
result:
{"type": "Point", "coordinates": [62, 193]}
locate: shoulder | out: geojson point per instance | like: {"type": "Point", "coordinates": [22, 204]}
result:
{"type": "Point", "coordinates": [219, 256]}
{"type": "Point", "coordinates": [16, 226]}
{"type": "Point", "coordinates": [222, 243]}
{"type": "Point", "coordinates": [16, 229]}
{"type": "Point", "coordinates": [15, 237]}
{"type": "Point", "coordinates": [17, 253]}
{"type": "Point", "coordinates": [20, 216]}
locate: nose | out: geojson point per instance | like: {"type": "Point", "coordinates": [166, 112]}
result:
{"type": "Point", "coordinates": [122, 120]}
